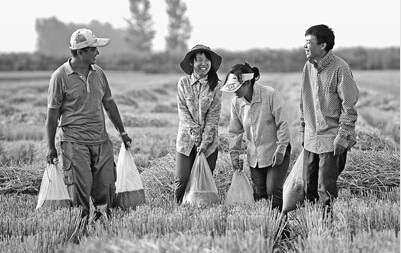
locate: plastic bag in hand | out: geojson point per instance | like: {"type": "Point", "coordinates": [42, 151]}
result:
{"type": "Point", "coordinates": [293, 189]}
{"type": "Point", "coordinates": [201, 188]}
{"type": "Point", "coordinates": [53, 192]}
{"type": "Point", "coordinates": [240, 191]}
{"type": "Point", "coordinates": [129, 187]}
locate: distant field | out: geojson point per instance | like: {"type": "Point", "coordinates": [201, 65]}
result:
{"type": "Point", "coordinates": [365, 221]}
{"type": "Point", "coordinates": [148, 101]}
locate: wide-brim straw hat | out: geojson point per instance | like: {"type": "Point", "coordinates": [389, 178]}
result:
{"type": "Point", "coordinates": [216, 59]}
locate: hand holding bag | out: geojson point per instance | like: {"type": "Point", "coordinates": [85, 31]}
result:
{"type": "Point", "coordinates": [53, 192]}
{"type": "Point", "coordinates": [129, 187]}
{"type": "Point", "coordinates": [240, 191]}
{"type": "Point", "coordinates": [201, 188]}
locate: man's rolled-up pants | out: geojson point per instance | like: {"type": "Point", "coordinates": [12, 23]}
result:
{"type": "Point", "coordinates": [89, 172]}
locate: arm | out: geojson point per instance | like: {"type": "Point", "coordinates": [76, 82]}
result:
{"type": "Point", "coordinates": [51, 128]}
{"type": "Point", "coordinates": [301, 108]}
{"type": "Point", "coordinates": [283, 131]}
{"type": "Point", "coordinates": [236, 131]}
{"type": "Point", "coordinates": [185, 115]}
{"type": "Point", "coordinates": [349, 94]}
{"type": "Point", "coordinates": [114, 116]}
{"type": "Point", "coordinates": [212, 119]}
{"type": "Point", "coordinates": [183, 112]}
{"type": "Point", "coordinates": [55, 98]}
{"type": "Point", "coordinates": [113, 113]}
{"type": "Point", "coordinates": [281, 119]}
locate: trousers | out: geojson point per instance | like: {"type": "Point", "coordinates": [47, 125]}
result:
{"type": "Point", "coordinates": [268, 181]}
{"type": "Point", "coordinates": [320, 175]}
{"type": "Point", "coordinates": [89, 173]}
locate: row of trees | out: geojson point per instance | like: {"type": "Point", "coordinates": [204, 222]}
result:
{"type": "Point", "coordinates": [136, 39]}
{"type": "Point", "coordinates": [266, 59]}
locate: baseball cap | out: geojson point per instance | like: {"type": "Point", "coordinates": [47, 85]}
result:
{"type": "Point", "coordinates": [83, 37]}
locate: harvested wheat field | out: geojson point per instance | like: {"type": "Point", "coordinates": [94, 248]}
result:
{"type": "Point", "coordinates": [367, 211]}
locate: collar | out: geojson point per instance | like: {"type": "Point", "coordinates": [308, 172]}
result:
{"type": "Point", "coordinates": [256, 97]}
{"type": "Point", "coordinates": [68, 69]}
{"type": "Point", "coordinates": [326, 60]}
{"type": "Point", "coordinates": [194, 80]}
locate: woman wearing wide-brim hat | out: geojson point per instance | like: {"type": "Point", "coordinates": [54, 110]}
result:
{"type": "Point", "coordinates": [199, 103]}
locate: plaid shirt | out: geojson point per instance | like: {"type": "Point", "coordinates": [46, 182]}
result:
{"type": "Point", "coordinates": [199, 114]}
{"type": "Point", "coordinates": [327, 105]}
{"type": "Point", "coordinates": [265, 123]}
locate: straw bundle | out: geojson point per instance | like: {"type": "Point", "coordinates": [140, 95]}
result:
{"type": "Point", "coordinates": [365, 170]}
{"type": "Point", "coordinates": [23, 179]}
{"type": "Point", "coordinates": [377, 170]}
{"type": "Point", "coordinates": [369, 138]}
{"type": "Point", "coordinates": [158, 178]}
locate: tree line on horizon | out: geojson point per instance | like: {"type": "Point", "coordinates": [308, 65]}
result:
{"type": "Point", "coordinates": [135, 39]}
{"type": "Point", "coordinates": [131, 47]}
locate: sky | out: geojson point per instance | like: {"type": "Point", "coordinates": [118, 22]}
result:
{"type": "Point", "coordinates": [219, 24]}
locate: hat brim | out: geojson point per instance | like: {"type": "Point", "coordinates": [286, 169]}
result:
{"type": "Point", "coordinates": [101, 42]}
{"type": "Point", "coordinates": [187, 68]}
{"type": "Point", "coordinates": [232, 87]}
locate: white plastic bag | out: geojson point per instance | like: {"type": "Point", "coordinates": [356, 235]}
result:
{"type": "Point", "coordinates": [53, 192]}
{"type": "Point", "coordinates": [201, 188]}
{"type": "Point", "coordinates": [240, 191]}
{"type": "Point", "coordinates": [129, 187]}
{"type": "Point", "coordinates": [293, 189]}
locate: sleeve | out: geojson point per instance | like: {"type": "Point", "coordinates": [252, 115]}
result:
{"type": "Point", "coordinates": [281, 119]}
{"type": "Point", "coordinates": [55, 95]}
{"type": "Point", "coordinates": [301, 102]}
{"type": "Point", "coordinates": [235, 131]}
{"type": "Point", "coordinates": [184, 115]}
{"type": "Point", "coordinates": [212, 117]}
{"type": "Point", "coordinates": [349, 94]}
{"type": "Point", "coordinates": [107, 94]}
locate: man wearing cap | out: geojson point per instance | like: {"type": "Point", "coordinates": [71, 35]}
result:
{"type": "Point", "coordinates": [78, 93]}
{"type": "Point", "coordinates": [199, 105]}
